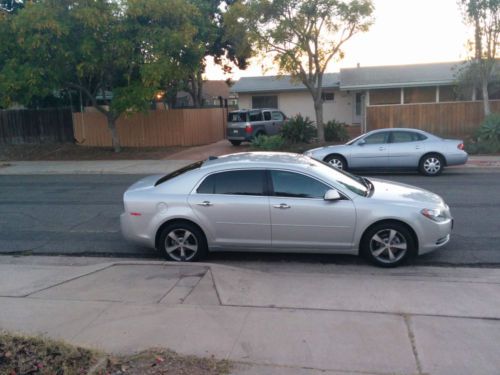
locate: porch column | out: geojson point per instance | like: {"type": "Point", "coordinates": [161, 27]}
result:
{"type": "Point", "coordinates": [402, 96]}
{"type": "Point", "coordinates": [437, 94]}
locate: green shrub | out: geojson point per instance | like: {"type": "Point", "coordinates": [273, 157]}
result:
{"type": "Point", "coordinates": [298, 129]}
{"type": "Point", "coordinates": [490, 129]}
{"type": "Point", "coordinates": [268, 142]}
{"type": "Point", "coordinates": [336, 131]}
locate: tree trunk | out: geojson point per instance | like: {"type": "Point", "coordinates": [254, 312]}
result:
{"type": "Point", "coordinates": [114, 134]}
{"type": "Point", "coordinates": [318, 108]}
{"type": "Point", "coordinates": [486, 98]}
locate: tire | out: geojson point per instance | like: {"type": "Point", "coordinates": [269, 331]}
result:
{"type": "Point", "coordinates": [378, 248]}
{"type": "Point", "coordinates": [235, 143]}
{"type": "Point", "coordinates": [183, 242]}
{"type": "Point", "coordinates": [431, 165]}
{"type": "Point", "coordinates": [336, 161]}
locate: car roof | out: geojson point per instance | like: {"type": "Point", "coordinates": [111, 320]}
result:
{"type": "Point", "coordinates": [259, 159]}
{"type": "Point", "coordinates": [399, 129]}
{"type": "Point", "coordinates": [253, 109]}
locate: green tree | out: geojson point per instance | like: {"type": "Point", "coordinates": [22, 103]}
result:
{"type": "Point", "coordinates": [484, 17]}
{"type": "Point", "coordinates": [99, 48]}
{"type": "Point", "coordinates": [304, 36]}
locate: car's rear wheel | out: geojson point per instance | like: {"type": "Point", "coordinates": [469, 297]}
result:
{"type": "Point", "coordinates": [431, 165]}
{"type": "Point", "coordinates": [336, 161]}
{"type": "Point", "coordinates": [235, 143]}
{"type": "Point", "coordinates": [388, 244]}
{"type": "Point", "coordinates": [183, 242]}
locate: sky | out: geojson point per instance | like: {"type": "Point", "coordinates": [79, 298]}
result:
{"type": "Point", "coordinates": [404, 32]}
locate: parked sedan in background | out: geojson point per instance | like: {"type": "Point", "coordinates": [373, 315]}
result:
{"type": "Point", "coordinates": [282, 202]}
{"type": "Point", "coordinates": [395, 148]}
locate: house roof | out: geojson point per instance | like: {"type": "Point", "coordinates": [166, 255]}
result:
{"type": "Point", "coordinates": [361, 78]}
{"type": "Point", "coordinates": [398, 76]}
{"type": "Point", "coordinates": [279, 83]}
{"type": "Point", "coordinates": [215, 89]}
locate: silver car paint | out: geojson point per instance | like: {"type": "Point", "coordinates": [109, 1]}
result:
{"type": "Point", "coordinates": [397, 155]}
{"type": "Point", "coordinates": [240, 223]}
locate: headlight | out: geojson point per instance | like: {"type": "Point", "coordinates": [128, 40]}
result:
{"type": "Point", "coordinates": [435, 214]}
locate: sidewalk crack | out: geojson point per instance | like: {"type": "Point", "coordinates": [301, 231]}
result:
{"type": "Point", "coordinates": [411, 336]}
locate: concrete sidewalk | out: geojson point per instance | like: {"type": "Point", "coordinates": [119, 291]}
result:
{"type": "Point", "coordinates": [355, 320]}
{"type": "Point", "coordinates": [151, 166]}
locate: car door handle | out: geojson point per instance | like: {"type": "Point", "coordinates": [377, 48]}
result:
{"type": "Point", "coordinates": [381, 148]}
{"type": "Point", "coordinates": [205, 204]}
{"type": "Point", "coordinates": [282, 206]}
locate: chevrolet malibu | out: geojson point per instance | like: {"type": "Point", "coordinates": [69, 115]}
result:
{"type": "Point", "coordinates": [396, 148]}
{"type": "Point", "coordinates": [282, 202]}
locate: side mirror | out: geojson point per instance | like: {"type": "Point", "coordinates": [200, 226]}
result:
{"type": "Point", "coordinates": [361, 142]}
{"type": "Point", "coordinates": [332, 195]}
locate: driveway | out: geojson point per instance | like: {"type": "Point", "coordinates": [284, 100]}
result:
{"type": "Point", "coordinates": [203, 152]}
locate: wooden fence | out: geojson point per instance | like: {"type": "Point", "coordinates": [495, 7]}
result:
{"type": "Point", "coordinates": [456, 119]}
{"type": "Point", "coordinates": [176, 127]}
{"type": "Point", "coordinates": [36, 126]}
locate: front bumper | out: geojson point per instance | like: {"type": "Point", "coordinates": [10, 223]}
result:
{"type": "Point", "coordinates": [434, 235]}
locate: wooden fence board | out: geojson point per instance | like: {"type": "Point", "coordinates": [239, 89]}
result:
{"type": "Point", "coordinates": [454, 119]}
{"type": "Point", "coordinates": [36, 126]}
{"type": "Point", "coordinates": [177, 127]}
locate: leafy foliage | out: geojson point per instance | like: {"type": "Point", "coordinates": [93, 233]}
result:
{"type": "Point", "coordinates": [336, 131]}
{"type": "Point", "coordinates": [487, 137]}
{"type": "Point", "coordinates": [298, 129]}
{"type": "Point", "coordinates": [268, 142]}
{"type": "Point", "coordinates": [303, 36]}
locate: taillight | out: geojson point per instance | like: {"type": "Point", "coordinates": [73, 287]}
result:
{"type": "Point", "coordinates": [248, 129]}
{"type": "Point", "coordinates": [460, 146]}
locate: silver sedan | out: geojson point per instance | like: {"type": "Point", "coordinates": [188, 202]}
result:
{"type": "Point", "coordinates": [282, 202]}
{"type": "Point", "coordinates": [395, 148]}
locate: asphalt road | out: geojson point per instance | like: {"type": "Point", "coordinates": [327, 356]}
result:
{"type": "Point", "coordinates": [79, 214]}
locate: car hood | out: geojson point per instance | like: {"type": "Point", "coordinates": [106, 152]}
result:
{"type": "Point", "coordinates": [404, 194]}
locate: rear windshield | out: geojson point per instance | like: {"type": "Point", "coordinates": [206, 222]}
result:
{"type": "Point", "coordinates": [237, 117]}
{"type": "Point", "coordinates": [178, 172]}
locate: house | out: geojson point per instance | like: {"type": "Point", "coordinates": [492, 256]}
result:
{"type": "Point", "coordinates": [374, 97]}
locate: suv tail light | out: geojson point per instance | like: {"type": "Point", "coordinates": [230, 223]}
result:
{"type": "Point", "coordinates": [460, 146]}
{"type": "Point", "coordinates": [248, 128]}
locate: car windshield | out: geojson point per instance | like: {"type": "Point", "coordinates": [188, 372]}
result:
{"type": "Point", "coordinates": [356, 184]}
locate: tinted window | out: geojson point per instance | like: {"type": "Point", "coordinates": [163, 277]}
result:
{"type": "Point", "coordinates": [178, 172]}
{"type": "Point", "coordinates": [234, 183]}
{"type": "Point", "coordinates": [255, 116]}
{"type": "Point", "coordinates": [289, 184]}
{"type": "Point", "coordinates": [237, 117]}
{"type": "Point", "coordinates": [267, 116]}
{"type": "Point", "coordinates": [376, 138]}
{"type": "Point", "coordinates": [399, 137]}
{"type": "Point", "coordinates": [278, 116]}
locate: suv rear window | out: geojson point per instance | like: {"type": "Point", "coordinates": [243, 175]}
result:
{"type": "Point", "coordinates": [237, 117]}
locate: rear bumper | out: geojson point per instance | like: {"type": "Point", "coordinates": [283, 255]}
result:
{"type": "Point", "coordinates": [457, 159]}
{"type": "Point", "coordinates": [237, 135]}
{"type": "Point", "coordinates": [131, 231]}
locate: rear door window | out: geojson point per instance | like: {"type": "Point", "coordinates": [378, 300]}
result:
{"type": "Point", "coordinates": [255, 116]}
{"type": "Point", "coordinates": [250, 182]}
{"type": "Point", "coordinates": [267, 116]}
{"type": "Point", "coordinates": [278, 116]}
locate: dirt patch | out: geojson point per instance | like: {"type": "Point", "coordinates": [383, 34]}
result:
{"type": "Point", "coordinates": [68, 151]}
{"type": "Point", "coordinates": [41, 356]}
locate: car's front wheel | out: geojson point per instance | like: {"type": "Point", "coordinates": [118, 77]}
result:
{"type": "Point", "coordinates": [336, 161]}
{"type": "Point", "coordinates": [431, 165]}
{"type": "Point", "coordinates": [182, 242]}
{"type": "Point", "coordinates": [388, 244]}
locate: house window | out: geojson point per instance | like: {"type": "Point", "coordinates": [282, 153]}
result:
{"type": "Point", "coordinates": [385, 96]}
{"type": "Point", "coordinates": [268, 101]}
{"type": "Point", "coordinates": [327, 96]}
{"type": "Point", "coordinates": [420, 95]}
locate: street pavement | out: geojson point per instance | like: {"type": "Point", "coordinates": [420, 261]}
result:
{"type": "Point", "coordinates": [353, 320]}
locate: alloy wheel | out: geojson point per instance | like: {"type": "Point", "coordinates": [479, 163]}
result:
{"type": "Point", "coordinates": [388, 246]}
{"type": "Point", "coordinates": [337, 163]}
{"type": "Point", "coordinates": [432, 165]}
{"type": "Point", "coordinates": [181, 244]}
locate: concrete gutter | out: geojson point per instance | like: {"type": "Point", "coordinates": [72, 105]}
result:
{"type": "Point", "coordinates": [355, 320]}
